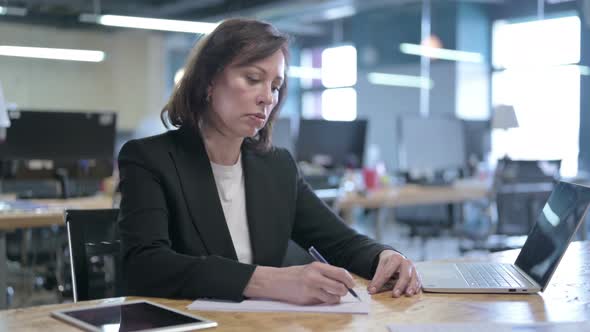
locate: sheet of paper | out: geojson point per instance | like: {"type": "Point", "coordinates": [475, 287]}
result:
{"type": "Point", "coordinates": [348, 304]}
{"type": "Point", "coordinates": [491, 327]}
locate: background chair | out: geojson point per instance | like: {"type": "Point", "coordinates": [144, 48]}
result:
{"type": "Point", "coordinates": [94, 251]}
{"type": "Point", "coordinates": [426, 222]}
{"type": "Point", "coordinates": [521, 189]}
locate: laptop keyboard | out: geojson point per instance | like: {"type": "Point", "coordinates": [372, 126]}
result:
{"type": "Point", "coordinates": [490, 275]}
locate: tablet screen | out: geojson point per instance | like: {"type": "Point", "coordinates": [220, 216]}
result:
{"type": "Point", "coordinates": [130, 317]}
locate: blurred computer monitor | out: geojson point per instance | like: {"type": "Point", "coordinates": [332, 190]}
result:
{"type": "Point", "coordinates": [42, 144]}
{"type": "Point", "coordinates": [334, 144]}
{"type": "Point", "coordinates": [282, 135]}
{"type": "Point", "coordinates": [59, 135]}
{"type": "Point", "coordinates": [430, 144]}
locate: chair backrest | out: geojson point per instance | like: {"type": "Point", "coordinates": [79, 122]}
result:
{"type": "Point", "coordinates": [94, 250]}
{"type": "Point", "coordinates": [522, 187]}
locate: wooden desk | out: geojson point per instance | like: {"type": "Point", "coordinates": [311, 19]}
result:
{"type": "Point", "coordinates": [566, 299]}
{"type": "Point", "coordinates": [408, 195]}
{"type": "Point", "coordinates": [52, 215]}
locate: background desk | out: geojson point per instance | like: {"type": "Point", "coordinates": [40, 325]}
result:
{"type": "Point", "coordinates": [566, 299]}
{"type": "Point", "coordinates": [52, 215]}
{"type": "Point", "coordinates": [408, 195]}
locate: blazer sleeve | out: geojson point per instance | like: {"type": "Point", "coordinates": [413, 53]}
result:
{"type": "Point", "coordinates": [316, 224]}
{"type": "Point", "coordinates": [151, 266]}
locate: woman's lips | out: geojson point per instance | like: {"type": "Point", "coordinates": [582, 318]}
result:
{"type": "Point", "coordinates": [257, 118]}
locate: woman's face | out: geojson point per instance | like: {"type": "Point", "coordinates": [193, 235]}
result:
{"type": "Point", "coordinates": [242, 97]}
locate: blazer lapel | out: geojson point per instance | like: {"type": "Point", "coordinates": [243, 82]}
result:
{"type": "Point", "coordinates": [198, 185]}
{"type": "Point", "coordinates": [266, 209]}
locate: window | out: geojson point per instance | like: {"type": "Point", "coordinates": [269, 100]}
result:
{"type": "Point", "coordinates": [331, 96]}
{"type": "Point", "coordinates": [535, 71]}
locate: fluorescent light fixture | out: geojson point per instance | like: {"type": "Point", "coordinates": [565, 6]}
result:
{"type": "Point", "coordinates": [441, 53]}
{"type": "Point", "coordinates": [14, 11]}
{"type": "Point", "coordinates": [305, 72]}
{"type": "Point", "coordinates": [52, 53]}
{"type": "Point", "coordinates": [149, 23]}
{"type": "Point", "coordinates": [584, 70]}
{"type": "Point", "coordinates": [339, 12]}
{"type": "Point", "coordinates": [535, 67]}
{"type": "Point", "coordinates": [400, 80]}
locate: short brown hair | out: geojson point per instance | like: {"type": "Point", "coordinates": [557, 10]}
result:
{"type": "Point", "coordinates": [251, 41]}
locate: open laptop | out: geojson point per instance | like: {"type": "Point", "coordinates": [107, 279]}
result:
{"type": "Point", "coordinates": [547, 242]}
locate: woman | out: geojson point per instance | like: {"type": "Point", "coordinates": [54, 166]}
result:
{"type": "Point", "coordinates": [207, 210]}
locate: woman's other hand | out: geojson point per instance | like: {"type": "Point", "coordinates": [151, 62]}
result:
{"type": "Point", "coordinates": [394, 266]}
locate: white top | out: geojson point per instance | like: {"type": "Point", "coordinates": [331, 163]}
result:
{"type": "Point", "coordinates": [230, 187]}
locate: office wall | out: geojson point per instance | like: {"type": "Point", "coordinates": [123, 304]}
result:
{"type": "Point", "coordinates": [380, 32]}
{"type": "Point", "coordinates": [382, 105]}
{"type": "Point", "coordinates": [130, 81]}
{"type": "Point", "coordinates": [377, 34]}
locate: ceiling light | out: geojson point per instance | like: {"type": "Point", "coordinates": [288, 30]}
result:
{"type": "Point", "coordinates": [441, 53]}
{"type": "Point", "coordinates": [14, 11]}
{"type": "Point", "coordinates": [149, 23]}
{"type": "Point", "coordinates": [584, 70]}
{"type": "Point", "coordinates": [339, 12]}
{"type": "Point", "coordinates": [52, 53]}
{"type": "Point", "coordinates": [305, 72]}
{"type": "Point", "coordinates": [400, 80]}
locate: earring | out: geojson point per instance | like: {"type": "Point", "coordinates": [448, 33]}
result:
{"type": "Point", "coordinates": [208, 99]}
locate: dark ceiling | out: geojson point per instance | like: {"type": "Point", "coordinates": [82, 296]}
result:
{"type": "Point", "coordinates": [300, 17]}
{"type": "Point", "coordinates": [177, 9]}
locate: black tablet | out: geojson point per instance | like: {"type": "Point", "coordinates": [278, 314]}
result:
{"type": "Point", "coordinates": [131, 316]}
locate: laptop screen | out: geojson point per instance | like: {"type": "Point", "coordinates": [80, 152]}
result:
{"type": "Point", "coordinates": [551, 235]}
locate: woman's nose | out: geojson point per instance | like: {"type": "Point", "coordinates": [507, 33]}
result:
{"type": "Point", "coordinates": [265, 97]}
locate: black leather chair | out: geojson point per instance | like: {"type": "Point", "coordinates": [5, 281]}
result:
{"type": "Point", "coordinates": [94, 251]}
{"type": "Point", "coordinates": [521, 189]}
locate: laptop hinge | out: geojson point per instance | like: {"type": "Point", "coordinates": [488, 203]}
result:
{"type": "Point", "coordinates": [526, 276]}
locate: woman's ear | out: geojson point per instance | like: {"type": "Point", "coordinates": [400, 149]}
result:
{"type": "Point", "coordinates": [209, 92]}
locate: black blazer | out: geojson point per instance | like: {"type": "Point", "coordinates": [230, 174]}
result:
{"type": "Point", "coordinates": [175, 240]}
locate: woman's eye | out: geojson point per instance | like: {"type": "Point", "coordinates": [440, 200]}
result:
{"type": "Point", "coordinates": [252, 79]}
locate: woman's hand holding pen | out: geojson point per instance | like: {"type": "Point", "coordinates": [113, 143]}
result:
{"type": "Point", "coordinates": [305, 284]}
{"type": "Point", "coordinates": [393, 265]}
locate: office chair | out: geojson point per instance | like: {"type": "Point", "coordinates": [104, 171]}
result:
{"type": "Point", "coordinates": [426, 222]}
{"type": "Point", "coordinates": [521, 189]}
{"type": "Point", "coordinates": [94, 252]}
